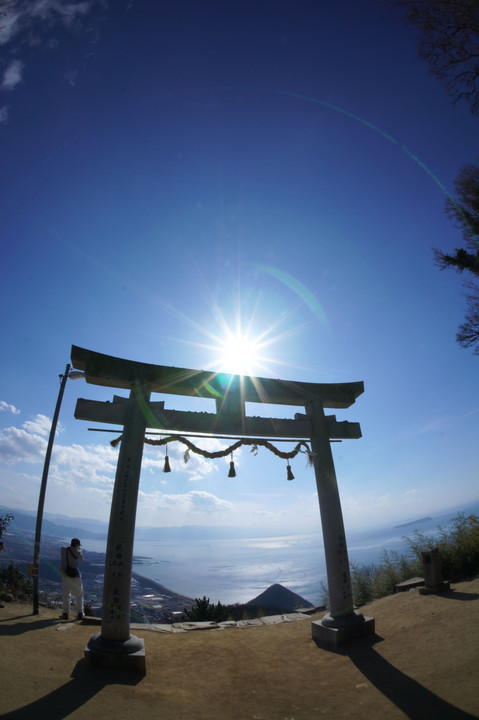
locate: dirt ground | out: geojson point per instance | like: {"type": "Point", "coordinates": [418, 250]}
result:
{"type": "Point", "coordinates": [422, 663]}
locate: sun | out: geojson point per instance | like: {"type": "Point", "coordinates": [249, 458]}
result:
{"type": "Point", "coordinates": [238, 354]}
{"type": "Point", "coordinates": [244, 341]}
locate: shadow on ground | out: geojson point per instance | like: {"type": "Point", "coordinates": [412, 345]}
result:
{"type": "Point", "coordinates": [415, 701]}
{"type": "Point", "coordinates": [20, 628]}
{"type": "Point", "coordinates": [454, 595]}
{"type": "Point", "coordinates": [83, 685]}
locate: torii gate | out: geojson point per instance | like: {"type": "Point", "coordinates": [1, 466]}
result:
{"type": "Point", "coordinates": [115, 645]}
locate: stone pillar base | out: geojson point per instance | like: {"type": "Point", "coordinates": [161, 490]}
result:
{"type": "Point", "coordinates": [128, 655]}
{"type": "Point", "coordinates": [436, 589]}
{"type": "Point", "coordinates": [332, 632]}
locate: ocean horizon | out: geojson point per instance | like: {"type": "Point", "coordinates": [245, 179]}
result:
{"type": "Point", "coordinates": [237, 570]}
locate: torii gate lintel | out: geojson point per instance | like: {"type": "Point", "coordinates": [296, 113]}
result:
{"type": "Point", "coordinates": [219, 423]}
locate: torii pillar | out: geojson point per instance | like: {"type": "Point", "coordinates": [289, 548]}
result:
{"type": "Point", "coordinates": [114, 646]}
{"type": "Point", "coordinates": [342, 623]}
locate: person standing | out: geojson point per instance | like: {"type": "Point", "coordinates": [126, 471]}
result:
{"type": "Point", "coordinates": [71, 578]}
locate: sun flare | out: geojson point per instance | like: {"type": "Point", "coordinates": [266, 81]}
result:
{"type": "Point", "coordinates": [253, 340]}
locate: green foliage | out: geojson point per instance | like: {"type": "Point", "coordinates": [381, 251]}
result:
{"type": "Point", "coordinates": [458, 547]}
{"type": "Point", "coordinates": [394, 569]}
{"type": "Point", "coordinates": [87, 609]}
{"type": "Point", "coordinates": [204, 610]}
{"type": "Point", "coordinates": [449, 43]}
{"type": "Point", "coordinates": [362, 582]}
{"type": "Point", "coordinates": [5, 521]}
{"type": "Point", "coordinates": [464, 211]}
{"type": "Point", "coordinates": [324, 594]}
{"type": "Point", "coordinates": [458, 550]}
{"type": "Point", "coordinates": [13, 581]}
{"type": "Point", "coordinates": [374, 581]}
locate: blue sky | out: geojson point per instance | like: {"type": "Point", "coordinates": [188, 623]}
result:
{"type": "Point", "coordinates": [169, 173]}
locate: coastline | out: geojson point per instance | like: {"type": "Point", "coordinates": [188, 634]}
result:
{"type": "Point", "coordinates": [149, 600]}
{"type": "Point", "coordinates": [153, 601]}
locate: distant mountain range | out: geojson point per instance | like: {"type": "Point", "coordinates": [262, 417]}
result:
{"type": "Point", "coordinates": [60, 526]}
{"type": "Point", "coordinates": [27, 521]}
{"type": "Point", "coordinates": [63, 527]}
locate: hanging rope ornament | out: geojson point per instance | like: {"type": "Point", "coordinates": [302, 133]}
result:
{"type": "Point", "coordinates": [166, 466]}
{"type": "Point", "coordinates": [302, 447]}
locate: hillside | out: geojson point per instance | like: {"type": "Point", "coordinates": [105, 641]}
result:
{"type": "Point", "coordinates": [422, 663]}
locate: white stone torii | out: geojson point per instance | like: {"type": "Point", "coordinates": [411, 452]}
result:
{"type": "Point", "coordinates": [115, 645]}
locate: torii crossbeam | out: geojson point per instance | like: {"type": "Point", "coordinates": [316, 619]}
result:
{"type": "Point", "coordinates": [115, 645]}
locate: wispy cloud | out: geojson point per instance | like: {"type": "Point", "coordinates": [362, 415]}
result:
{"type": "Point", "coordinates": [33, 24]}
{"type": "Point", "coordinates": [187, 503]}
{"type": "Point", "coordinates": [12, 75]}
{"type": "Point", "coordinates": [68, 11]}
{"type": "Point", "coordinates": [440, 424]}
{"type": "Point", "coordinates": [22, 15]}
{"type": "Point", "coordinates": [6, 407]}
{"type": "Point", "coordinates": [11, 23]}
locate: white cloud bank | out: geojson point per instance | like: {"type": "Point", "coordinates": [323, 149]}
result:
{"type": "Point", "coordinates": [81, 477]}
{"type": "Point", "coordinates": [19, 445]}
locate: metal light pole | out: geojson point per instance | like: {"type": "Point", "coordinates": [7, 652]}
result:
{"type": "Point", "coordinates": [43, 486]}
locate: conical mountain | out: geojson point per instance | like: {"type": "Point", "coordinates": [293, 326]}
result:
{"type": "Point", "coordinates": [279, 596]}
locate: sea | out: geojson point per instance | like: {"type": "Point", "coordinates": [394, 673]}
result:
{"type": "Point", "coordinates": [238, 570]}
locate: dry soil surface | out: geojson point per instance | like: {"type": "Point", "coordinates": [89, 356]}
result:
{"type": "Point", "coordinates": [422, 663]}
